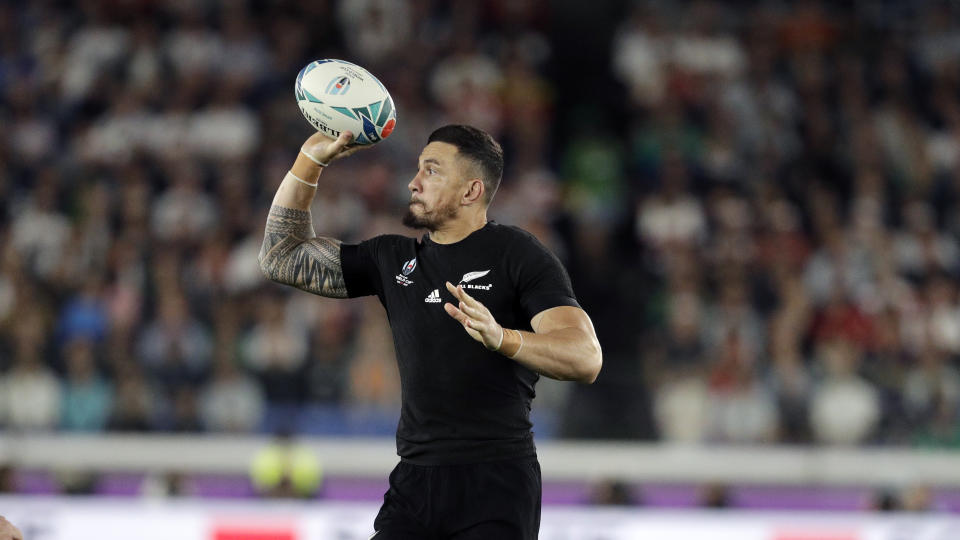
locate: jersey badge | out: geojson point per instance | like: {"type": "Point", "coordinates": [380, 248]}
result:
{"type": "Point", "coordinates": [405, 271]}
{"type": "Point", "coordinates": [470, 276]}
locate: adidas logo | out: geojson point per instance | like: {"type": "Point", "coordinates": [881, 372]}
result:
{"type": "Point", "coordinates": [433, 298]}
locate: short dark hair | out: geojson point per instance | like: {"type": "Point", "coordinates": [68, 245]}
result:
{"type": "Point", "coordinates": [477, 146]}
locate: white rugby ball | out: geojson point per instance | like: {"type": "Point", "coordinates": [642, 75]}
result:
{"type": "Point", "coordinates": [337, 96]}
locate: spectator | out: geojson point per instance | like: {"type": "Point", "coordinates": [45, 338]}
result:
{"type": "Point", "coordinates": [31, 395]}
{"type": "Point", "coordinates": [844, 408]}
{"type": "Point", "coordinates": [184, 413]}
{"type": "Point", "coordinates": [671, 217]}
{"type": "Point", "coordinates": [332, 345]}
{"type": "Point", "coordinates": [134, 408]}
{"type": "Point", "coordinates": [742, 409]}
{"type": "Point", "coordinates": [682, 409]}
{"type": "Point", "coordinates": [174, 346]}
{"type": "Point", "coordinates": [30, 392]}
{"type": "Point", "coordinates": [184, 212]}
{"type": "Point", "coordinates": [231, 401]}
{"type": "Point", "coordinates": [40, 231]}
{"type": "Point", "coordinates": [275, 352]}
{"type": "Point", "coordinates": [931, 393]}
{"type": "Point", "coordinates": [85, 316]}
{"type": "Point", "coordinates": [380, 27]}
{"type": "Point", "coordinates": [87, 398]}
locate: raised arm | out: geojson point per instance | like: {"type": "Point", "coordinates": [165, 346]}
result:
{"type": "Point", "coordinates": [291, 253]}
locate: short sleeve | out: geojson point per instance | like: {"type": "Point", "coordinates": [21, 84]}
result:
{"type": "Point", "coordinates": [361, 273]}
{"type": "Point", "coordinates": [542, 282]}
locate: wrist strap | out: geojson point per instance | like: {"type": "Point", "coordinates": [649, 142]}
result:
{"type": "Point", "coordinates": [301, 180]}
{"type": "Point", "coordinates": [502, 332]}
{"type": "Point", "coordinates": [315, 160]}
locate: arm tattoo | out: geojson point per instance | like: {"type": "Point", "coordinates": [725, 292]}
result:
{"type": "Point", "coordinates": [292, 255]}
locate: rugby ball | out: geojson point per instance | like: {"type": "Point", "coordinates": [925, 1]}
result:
{"type": "Point", "coordinates": [337, 96]}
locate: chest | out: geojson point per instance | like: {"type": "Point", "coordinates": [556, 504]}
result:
{"type": "Point", "coordinates": [418, 285]}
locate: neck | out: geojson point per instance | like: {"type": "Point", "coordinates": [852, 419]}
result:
{"type": "Point", "coordinates": [459, 228]}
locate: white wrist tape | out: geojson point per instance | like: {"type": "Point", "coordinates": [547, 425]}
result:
{"type": "Point", "coordinates": [502, 332]}
{"type": "Point", "coordinates": [301, 180]}
{"type": "Point", "coordinates": [315, 160]}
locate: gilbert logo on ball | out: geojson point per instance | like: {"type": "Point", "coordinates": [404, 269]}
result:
{"type": "Point", "coordinates": [337, 96]}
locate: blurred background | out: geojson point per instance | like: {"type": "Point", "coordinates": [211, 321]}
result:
{"type": "Point", "coordinates": [758, 203]}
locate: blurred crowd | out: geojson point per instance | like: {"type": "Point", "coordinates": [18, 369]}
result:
{"type": "Point", "coordinates": [758, 203]}
{"type": "Point", "coordinates": [796, 179]}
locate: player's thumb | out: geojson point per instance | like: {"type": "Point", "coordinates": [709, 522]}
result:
{"type": "Point", "coordinates": [342, 141]}
{"type": "Point", "coordinates": [337, 148]}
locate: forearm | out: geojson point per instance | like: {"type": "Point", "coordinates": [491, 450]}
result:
{"type": "Point", "coordinates": [294, 194]}
{"type": "Point", "coordinates": [566, 354]}
{"type": "Point", "coordinates": [291, 253]}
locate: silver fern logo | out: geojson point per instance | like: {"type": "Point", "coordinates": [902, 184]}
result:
{"type": "Point", "coordinates": [470, 276]}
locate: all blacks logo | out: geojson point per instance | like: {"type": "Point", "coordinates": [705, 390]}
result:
{"type": "Point", "coordinates": [480, 287]}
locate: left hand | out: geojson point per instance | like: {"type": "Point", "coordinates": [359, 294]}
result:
{"type": "Point", "coordinates": [475, 318]}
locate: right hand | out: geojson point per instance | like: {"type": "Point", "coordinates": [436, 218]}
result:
{"type": "Point", "coordinates": [326, 149]}
{"type": "Point", "coordinates": [8, 531]}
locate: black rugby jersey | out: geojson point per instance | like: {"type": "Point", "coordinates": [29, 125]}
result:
{"type": "Point", "coordinates": [460, 403]}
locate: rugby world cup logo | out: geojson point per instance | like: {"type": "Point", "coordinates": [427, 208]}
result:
{"type": "Point", "coordinates": [338, 86]}
{"type": "Point", "coordinates": [409, 266]}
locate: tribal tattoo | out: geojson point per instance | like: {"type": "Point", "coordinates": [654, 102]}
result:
{"type": "Point", "coordinates": [292, 255]}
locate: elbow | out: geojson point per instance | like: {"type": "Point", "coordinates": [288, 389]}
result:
{"type": "Point", "coordinates": [266, 268]}
{"type": "Point", "coordinates": [590, 368]}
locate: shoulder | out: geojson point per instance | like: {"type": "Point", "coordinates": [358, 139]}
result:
{"type": "Point", "coordinates": [521, 244]}
{"type": "Point", "coordinates": [377, 251]}
{"type": "Point", "coordinates": [388, 241]}
{"type": "Point", "coordinates": [513, 237]}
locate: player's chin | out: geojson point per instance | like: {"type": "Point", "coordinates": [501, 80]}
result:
{"type": "Point", "coordinates": [413, 220]}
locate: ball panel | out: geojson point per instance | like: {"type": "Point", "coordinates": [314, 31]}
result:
{"type": "Point", "coordinates": [388, 128]}
{"type": "Point", "coordinates": [387, 112]}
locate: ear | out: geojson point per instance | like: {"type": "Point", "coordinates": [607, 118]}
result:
{"type": "Point", "coordinates": [474, 191]}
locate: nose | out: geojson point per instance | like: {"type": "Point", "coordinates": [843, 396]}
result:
{"type": "Point", "coordinates": [414, 185]}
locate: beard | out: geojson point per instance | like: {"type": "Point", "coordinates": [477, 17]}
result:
{"type": "Point", "coordinates": [431, 220]}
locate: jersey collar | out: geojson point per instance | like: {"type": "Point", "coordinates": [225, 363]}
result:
{"type": "Point", "coordinates": [469, 239]}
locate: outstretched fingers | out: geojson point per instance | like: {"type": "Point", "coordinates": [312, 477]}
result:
{"type": "Point", "coordinates": [464, 318]}
{"type": "Point", "coordinates": [462, 295]}
{"type": "Point", "coordinates": [455, 291]}
{"type": "Point", "coordinates": [473, 312]}
{"type": "Point", "coordinates": [455, 312]}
